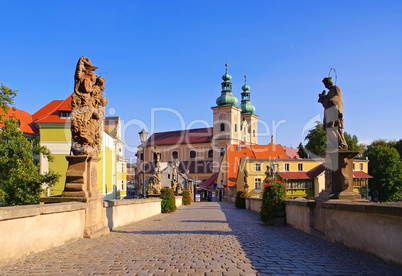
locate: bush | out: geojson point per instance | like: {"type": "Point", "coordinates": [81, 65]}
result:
{"type": "Point", "coordinates": [168, 200]}
{"type": "Point", "coordinates": [240, 201]}
{"type": "Point", "coordinates": [186, 200]}
{"type": "Point", "coordinates": [273, 197]}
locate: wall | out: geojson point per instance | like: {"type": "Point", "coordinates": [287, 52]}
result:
{"type": "Point", "coordinates": [375, 229]}
{"type": "Point", "coordinates": [34, 228]}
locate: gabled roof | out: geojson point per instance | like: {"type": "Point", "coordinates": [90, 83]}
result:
{"type": "Point", "coordinates": [235, 152]}
{"type": "Point", "coordinates": [361, 174]}
{"type": "Point", "coordinates": [291, 152]}
{"type": "Point", "coordinates": [50, 113]}
{"type": "Point", "coordinates": [188, 136]}
{"type": "Point", "coordinates": [311, 174]}
{"type": "Point", "coordinates": [24, 120]}
{"type": "Point", "coordinates": [210, 181]}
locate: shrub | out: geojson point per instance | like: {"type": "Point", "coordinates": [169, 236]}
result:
{"type": "Point", "coordinates": [273, 197]}
{"type": "Point", "coordinates": [240, 200]}
{"type": "Point", "coordinates": [168, 200]}
{"type": "Point", "coordinates": [186, 200]}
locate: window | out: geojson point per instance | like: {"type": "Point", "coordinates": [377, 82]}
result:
{"type": "Point", "coordinates": [222, 127]}
{"type": "Point", "coordinates": [257, 167]}
{"type": "Point", "coordinates": [122, 184]}
{"type": "Point", "coordinates": [65, 114]}
{"type": "Point", "coordinates": [361, 166]}
{"type": "Point", "coordinates": [253, 133]}
{"type": "Point", "coordinates": [210, 154]}
{"type": "Point", "coordinates": [168, 175]}
{"type": "Point", "coordinates": [235, 127]}
{"type": "Point", "coordinates": [175, 155]}
{"type": "Point", "coordinates": [122, 167]}
{"type": "Point", "coordinates": [354, 167]}
{"type": "Point", "coordinates": [300, 167]}
{"type": "Point", "coordinates": [222, 151]}
{"type": "Point", "coordinates": [193, 154]}
{"type": "Point", "coordinates": [142, 156]}
{"type": "Point", "coordinates": [257, 183]}
{"type": "Point", "coordinates": [286, 167]}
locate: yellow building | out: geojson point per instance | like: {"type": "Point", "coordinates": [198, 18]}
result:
{"type": "Point", "coordinates": [304, 178]}
{"type": "Point", "coordinates": [52, 125]}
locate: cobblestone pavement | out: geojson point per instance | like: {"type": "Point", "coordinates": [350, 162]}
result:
{"type": "Point", "coordinates": [202, 239]}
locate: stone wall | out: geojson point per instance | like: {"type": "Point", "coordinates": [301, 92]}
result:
{"type": "Point", "coordinates": [372, 228]}
{"type": "Point", "coordinates": [34, 228]}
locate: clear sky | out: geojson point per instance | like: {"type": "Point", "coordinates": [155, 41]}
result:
{"type": "Point", "coordinates": [163, 60]}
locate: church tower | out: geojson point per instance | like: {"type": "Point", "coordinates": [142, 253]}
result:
{"type": "Point", "coordinates": [248, 125]}
{"type": "Point", "coordinates": [226, 119]}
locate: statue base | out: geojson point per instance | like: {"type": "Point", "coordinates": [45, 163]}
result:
{"type": "Point", "coordinates": [339, 176]}
{"type": "Point", "coordinates": [82, 185]}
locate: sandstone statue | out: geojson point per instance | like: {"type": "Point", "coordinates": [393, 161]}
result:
{"type": "Point", "coordinates": [333, 115]}
{"type": "Point", "coordinates": [87, 109]}
{"type": "Point", "coordinates": [154, 185]}
{"type": "Point", "coordinates": [269, 174]}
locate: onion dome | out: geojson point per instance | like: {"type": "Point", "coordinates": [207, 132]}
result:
{"type": "Point", "coordinates": [226, 98]}
{"type": "Point", "coordinates": [246, 106]}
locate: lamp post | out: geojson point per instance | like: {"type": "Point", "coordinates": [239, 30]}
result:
{"type": "Point", "coordinates": [143, 137]}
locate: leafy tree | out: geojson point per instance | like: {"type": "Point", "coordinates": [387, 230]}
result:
{"type": "Point", "coordinates": [352, 141]}
{"type": "Point", "coordinates": [302, 151]}
{"type": "Point", "coordinates": [20, 180]}
{"type": "Point", "coordinates": [386, 169]}
{"type": "Point", "coordinates": [398, 146]}
{"type": "Point", "coordinates": [317, 140]}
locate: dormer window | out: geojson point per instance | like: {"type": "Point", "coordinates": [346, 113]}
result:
{"type": "Point", "coordinates": [65, 114]}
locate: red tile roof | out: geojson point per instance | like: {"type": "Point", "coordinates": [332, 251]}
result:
{"type": "Point", "coordinates": [291, 152]}
{"type": "Point", "coordinates": [235, 152]}
{"type": "Point", "coordinates": [210, 181]}
{"type": "Point", "coordinates": [24, 120]}
{"type": "Point", "coordinates": [294, 175]}
{"type": "Point", "coordinates": [361, 174]}
{"type": "Point", "coordinates": [188, 136]}
{"type": "Point", "coordinates": [50, 113]}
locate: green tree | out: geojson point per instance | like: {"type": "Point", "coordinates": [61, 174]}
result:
{"type": "Point", "coordinates": [352, 141]}
{"type": "Point", "coordinates": [398, 146]}
{"type": "Point", "coordinates": [386, 169]}
{"type": "Point", "coordinates": [317, 140]}
{"type": "Point", "coordinates": [302, 151]}
{"type": "Point", "coordinates": [20, 180]}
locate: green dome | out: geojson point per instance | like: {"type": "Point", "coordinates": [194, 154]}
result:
{"type": "Point", "coordinates": [226, 77]}
{"type": "Point", "coordinates": [247, 108]}
{"type": "Point", "coordinates": [226, 99]}
{"type": "Point", "coordinates": [245, 87]}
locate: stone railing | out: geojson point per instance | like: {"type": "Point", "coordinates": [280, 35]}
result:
{"type": "Point", "coordinates": [33, 228]}
{"type": "Point", "coordinates": [368, 227]}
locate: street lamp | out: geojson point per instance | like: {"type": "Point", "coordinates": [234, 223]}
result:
{"type": "Point", "coordinates": [143, 137]}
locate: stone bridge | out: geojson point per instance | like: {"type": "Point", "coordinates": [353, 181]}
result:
{"type": "Point", "coordinates": [206, 238]}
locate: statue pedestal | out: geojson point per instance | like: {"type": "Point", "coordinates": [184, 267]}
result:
{"type": "Point", "coordinates": [82, 185]}
{"type": "Point", "coordinates": [339, 176]}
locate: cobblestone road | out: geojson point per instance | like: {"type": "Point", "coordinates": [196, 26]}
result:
{"type": "Point", "coordinates": [201, 239]}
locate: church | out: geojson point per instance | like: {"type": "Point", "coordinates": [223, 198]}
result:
{"type": "Point", "coordinates": [200, 151]}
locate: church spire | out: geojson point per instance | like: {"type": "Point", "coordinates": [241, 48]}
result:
{"type": "Point", "coordinates": [246, 106]}
{"type": "Point", "coordinates": [226, 98]}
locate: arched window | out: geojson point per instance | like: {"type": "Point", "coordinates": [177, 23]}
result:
{"type": "Point", "coordinates": [175, 155]}
{"type": "Point", "coordinates": [193, 154]}
{"type": "Point", "coordinates": [222, 151]}
{"type": "Point", "coordinates": [235, 127]}
{"type": "Point", "coordinates": [210, 154]}
{"type": "Point", "coordinates": [222, 127]}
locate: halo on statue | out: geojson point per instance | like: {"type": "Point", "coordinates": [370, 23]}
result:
{"type": "Point", "coordinates": [336, 75]}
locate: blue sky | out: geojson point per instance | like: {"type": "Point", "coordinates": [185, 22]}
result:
{"type": "Point", "coordinates": [171, 55]}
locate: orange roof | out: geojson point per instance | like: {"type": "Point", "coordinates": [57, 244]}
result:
{"type": "Point", "coordinates": [50, 113]}
{"type": "Point", "coordinates": [235, 152]}
{"type": "Point", "coordinates": [24, 119]}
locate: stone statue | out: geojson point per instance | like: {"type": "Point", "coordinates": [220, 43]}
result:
{"type": "Point", "coordinates": [333, 115]}
{"type": "Point", "coordinates": [87, 109]}
{"type": "Point", "coordinates": [269, 174]}
{"type": "Point", "coordinates": [174, 177]}
{"type": "Point", "coordinates": [154, 185]}
{"type": "Point", "coordinates": [246, 180]}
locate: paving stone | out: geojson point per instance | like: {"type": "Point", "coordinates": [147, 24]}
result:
{"type": "Point", "coordinates": [190, 242]}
